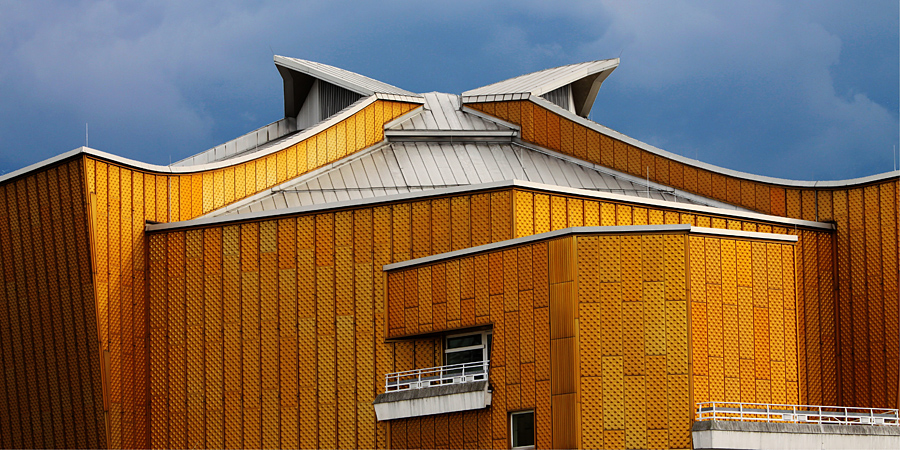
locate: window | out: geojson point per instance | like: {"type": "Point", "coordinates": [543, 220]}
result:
{"type": "Point", "coordinates": [468, 348]}
{"type": "Point", "coordinates": [521, 429]}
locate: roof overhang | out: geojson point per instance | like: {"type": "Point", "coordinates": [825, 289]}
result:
{"type": "Point", "coordinates": [585, 80]}
{"type": "Point", "coordinates": [298, 76]}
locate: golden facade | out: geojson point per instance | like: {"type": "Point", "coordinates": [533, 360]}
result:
{"type": "Point", "coordinates": [140, 313]}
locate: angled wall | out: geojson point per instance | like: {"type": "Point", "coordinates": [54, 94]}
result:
{"type": "Point", "coordinates": [853, 350]}
{"type": "Point", "coordinates": [123, 198]}
{"type": "Point", "coordinates": [51, 381]}
{"type": "Point", "coordinates": [322, 271]}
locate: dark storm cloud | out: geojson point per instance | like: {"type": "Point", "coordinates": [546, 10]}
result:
{"type": "Point", "coordinates": [788, 89]}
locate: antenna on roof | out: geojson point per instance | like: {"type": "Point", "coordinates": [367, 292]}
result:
{"type": "Point", "coordinates": [272, 50]}
{"type": "Point", "coordinates": [86, 135]}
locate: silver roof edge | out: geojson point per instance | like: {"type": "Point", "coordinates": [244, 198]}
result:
{"type": "Point", "coordinates": [490, 118]}
{"type": "Point", "coordinates": [630, 178]}
{"type": "Point", "coordinates": [298, 179]}
{"type": "Point", "coordinates": [309, 132]}
{"type": "Point", "coordinates": [537, 83]}
{"type": "Point", "coordinates": [207, 221]}
{"type": "Point", "coordinates": [309, 68]}
{"type": "Point", "coordinates": [783, 182]}
{"type": "Point", "coordinates": [678, 228]}
{"type": "Point", "coordinates": [47, 162]}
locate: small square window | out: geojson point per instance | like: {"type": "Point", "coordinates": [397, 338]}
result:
{"type": "Point", "coordinates": [521, 426]}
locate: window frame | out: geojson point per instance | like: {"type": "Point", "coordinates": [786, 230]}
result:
{"type": "Point", "coordinates": [485, 346]}
{"type": "Point", "coordinates": [512, 431]}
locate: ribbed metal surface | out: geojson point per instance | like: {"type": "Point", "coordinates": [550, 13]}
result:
{"type": "Point", "coordinates": [534, 81]}
{"type": "Point", "coordinates": [560, 96]}
{"type": "Point", "coordinates": [442, 112]}
{"type": "Point", "coordinates": [332, 99]}
{"type": "Point", "coordinates": [417, 166]}
{"type": "Point", "coordinates": [347, 77]}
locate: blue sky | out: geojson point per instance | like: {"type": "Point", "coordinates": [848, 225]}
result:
{"type": "Point", "coordinates": [795, 89]}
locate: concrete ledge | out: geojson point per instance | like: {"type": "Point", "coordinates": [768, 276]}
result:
{"type": "Point", "coordinates": [752, 435]}
{"type": "Point", "coordinates": [430, 401]}
{"type": "Point", "coordinates": [447, 389]}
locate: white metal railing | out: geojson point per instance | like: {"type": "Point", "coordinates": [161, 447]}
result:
{"type": "Point", "coordinates": [762, 412]}
{"type": "Point", "coordinates": [436, 376]}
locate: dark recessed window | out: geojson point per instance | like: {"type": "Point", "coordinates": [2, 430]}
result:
{"type": "Point", "coordinates": [521, 426]}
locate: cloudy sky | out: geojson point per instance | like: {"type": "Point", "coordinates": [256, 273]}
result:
{"type": "Point", "coordinates": [796, 89]}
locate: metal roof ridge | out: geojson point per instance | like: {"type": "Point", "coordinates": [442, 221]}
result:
{"type": "Point", "coordinates": [671, 228]}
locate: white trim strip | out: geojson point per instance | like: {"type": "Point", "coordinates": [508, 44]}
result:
{"type": "Point", "coordinates": [642, 229]}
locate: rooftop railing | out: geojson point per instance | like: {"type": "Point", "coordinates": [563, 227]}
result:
{"type": "Point", "coordinates": [762, 412]}
{"type": "Point", "coordinates": [436, 376]}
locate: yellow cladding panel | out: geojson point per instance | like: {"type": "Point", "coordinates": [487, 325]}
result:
{"type": "Point", "coordinates": [613, 393]}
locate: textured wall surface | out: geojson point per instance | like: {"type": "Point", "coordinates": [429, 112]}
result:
{"type": "Point", "coordinates": [50, 388]}
{"type": "Point", "coordinates": [123, 199]}
{"type": "Point", "coordinates": [329, 268]}
{"type": "Point", "coordinates": [279, 325]}
{"type": "Point", "coordinates": [851, 355]}
{"type": "Point", "coordinates": [634, 343]}
{"type": "Point", "coordinates": [509, 289]}
{"type": "Point", "coordinates": [743, 321]}
{"type": "Point", "coordinates": [197, 344]}
{"type": "Point", "coordinates": [596, 329]}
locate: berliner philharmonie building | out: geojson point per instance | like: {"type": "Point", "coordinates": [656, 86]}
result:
{"type": "Point", "coordinates": [386, 269]}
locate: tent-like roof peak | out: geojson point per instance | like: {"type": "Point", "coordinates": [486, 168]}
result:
{"type": "Point", "coordinates": [346, 79]}
{"type": "Point", "coordinates": [583, 78]}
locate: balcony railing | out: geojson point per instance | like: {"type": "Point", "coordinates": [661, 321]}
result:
{"type": "Point", "coordinates": [436, 376]}
{"type": "Point", "coordinates": [761, 412]}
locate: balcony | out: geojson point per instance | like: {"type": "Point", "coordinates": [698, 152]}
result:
{"type": "Point", "coordinates": [435, 390]}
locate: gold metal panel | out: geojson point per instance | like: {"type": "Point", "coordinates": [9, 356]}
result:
{"type": "Point", "coordinates": [607, 214]}
{"type": "Point", "coordinates": [634, 161]}
{"type": "Point", "coordinates": [542, 344]}
{"type": "Point", "coordinates": [714, 320]}
{"type": "Point", "coordinates": [592, 412]}
{"type": "Point", "coordinates": [623, 215]}
{"type": "Point", "coordinates": [631, 268]}
{"type": "Point", "coordinates": [459, 223]}
{"type": "Point", "coordinates": [654, 328]}
{"type": "Point", "coordinates": [792, 202]}
{"type": "Point", "coordinates": [558, 212]}
{"type": "Point", "coordinates": [676, 337]}
{"type": "Point", "coordinates": [699, 339]}
{"type": "Point", "coordinates": [633, 338]}
{"type": "Point", "coordinates": [481, 219]}
{"type": "Point", "coordinates": [566, 137]}
{"type": "Point", "coordinates": [761, 346]}
{"type": "Point", "coordinates": [613, 393]}
{"type": "Point", "coordinates": [609, 254]}
{"type": "Point", "coordinates": [731, 339]}
{"type": "Point", "coordinates": [636, 411]}
{"type": "Point", "coordinates": [656, 392]}
{"type": "Point", "coordinates": [680, 412]}
{"type": "Point", "coordinates": [590, 335]}
{"type": "Point", "coordinates": [575, 212]}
